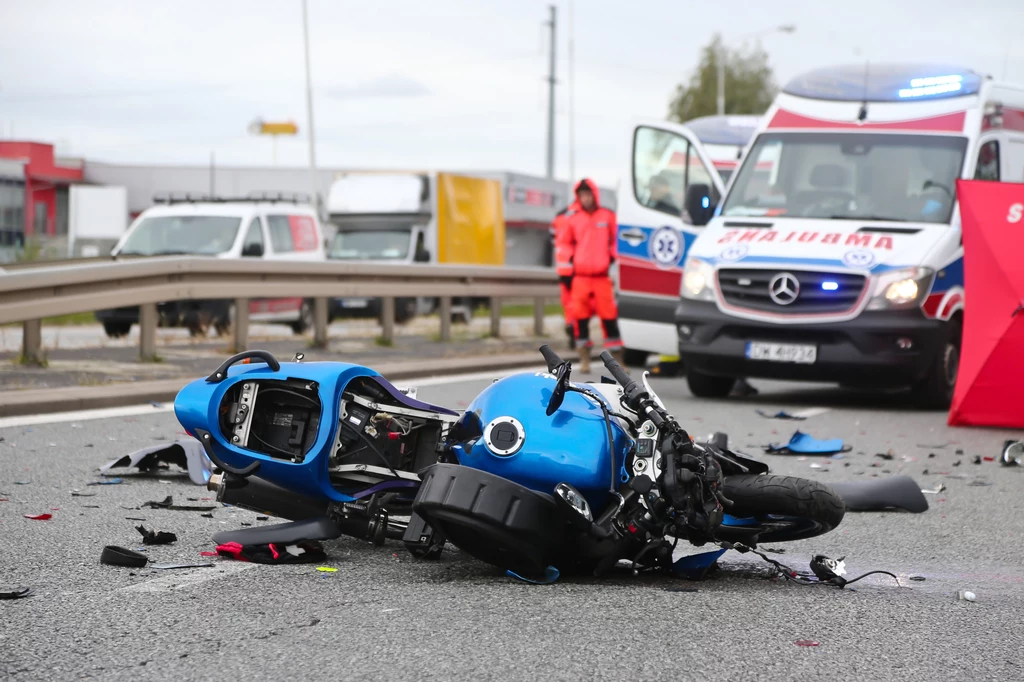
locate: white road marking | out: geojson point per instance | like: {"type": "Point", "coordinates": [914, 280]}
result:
{"type": "Point", "coordinates": [85, 415]}
{"type": "Point", "coordinates": [137, 410]}
{"type": "Point", "coordinates": [179, 579]}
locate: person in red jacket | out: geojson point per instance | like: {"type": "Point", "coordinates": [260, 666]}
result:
{"type": "Point", "coordinates": [564, 268]}
{"type": "Point", "coordinates": [586, 250]}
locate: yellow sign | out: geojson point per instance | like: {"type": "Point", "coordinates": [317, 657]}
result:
{"type": "Point", "coordinates": [259, 127]}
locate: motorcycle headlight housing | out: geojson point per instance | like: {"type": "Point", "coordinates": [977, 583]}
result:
{"type": "Point", "coordinates": [698, 278]}
{"type": "Point", "coordinates": [901, 289]}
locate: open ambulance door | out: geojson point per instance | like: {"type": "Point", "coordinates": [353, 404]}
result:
{"type": "Point", "coordinates": [668, 193]}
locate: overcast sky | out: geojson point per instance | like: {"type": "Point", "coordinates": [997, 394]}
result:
{"type": "Point", "coordinates": [412, 84]}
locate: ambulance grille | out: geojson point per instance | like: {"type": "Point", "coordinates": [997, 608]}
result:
{"type": "Point", "coordinates": [820, 292]}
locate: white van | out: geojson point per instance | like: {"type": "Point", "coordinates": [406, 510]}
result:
{"type": "Point", "coordinates": [836, 253]}
{"type": "Point", "coordinates": [258, 228]}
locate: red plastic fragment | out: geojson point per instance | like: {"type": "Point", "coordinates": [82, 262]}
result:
{"type": "Point", "coordinates": [807, 642]}
{"type": "Point", "coordinates": [39, 517]}
{"type": "Point", "coordinates": [989, 459]}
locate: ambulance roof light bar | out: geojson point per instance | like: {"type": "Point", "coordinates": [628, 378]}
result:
{"type": "Point", "coordinates": [886, 83]}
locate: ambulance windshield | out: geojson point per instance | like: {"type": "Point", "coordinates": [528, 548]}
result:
{"type": "Point", "coordinates": [849, 176]}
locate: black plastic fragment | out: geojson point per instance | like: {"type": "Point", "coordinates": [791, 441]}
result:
{"type": "Point", "coordinates": [153, 537]}
{"type": "Point", "coordinates": [15, 592]}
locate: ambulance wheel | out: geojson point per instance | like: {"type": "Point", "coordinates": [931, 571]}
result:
{"type": "Point", "coordinates": [708, 385]}
{"type": "Point", "coordinates": [935, 391]}
{"type": "Point", "coordinates": [306, 319]}
{"type": "Point", "coordinates": [491, 518]}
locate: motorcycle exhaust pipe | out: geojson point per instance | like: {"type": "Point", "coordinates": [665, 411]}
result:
{"type": "Point", "coordinates": [261, 496]}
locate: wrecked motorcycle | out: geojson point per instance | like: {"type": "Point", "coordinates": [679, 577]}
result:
{"type": "Point", "coordinates": [539, 475]}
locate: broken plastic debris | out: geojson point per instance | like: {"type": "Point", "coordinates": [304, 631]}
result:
{"type": "Point", "coordinates": [262, 518]}
{"type": "Point", "coordinates": [802, 443]}
{"type": "Point", "coordinates": [815, 465]}
{"type": "Point", "coordinates": [780, 415]}
{"type": "Point", "coordinates": [187, 454]}
{"type": "Point", "coordinates": [1013, 454]}
{"type": "Point", "coordinates": [326, 569]}
{"type": "Point", "coordinates": [39, 517]}
{"type": "Point", "coordinates": [109, 481]}
{"type": "Point", "coordinates": [979, 483]}
{"type": "Point", "coordinates": [885, 455]}
{"type": "Point", "coordinates": [807, 642]}
{"type": "Point", "coordinates": [976, 460]}
{"type": "Point", "coordinates": [153, 537]}
{"type": "Point", "coordinates": [917, 578]}
{"type": "Point", "coordinates": [15, 592]}
{"type": "Point", "coordinates": [935, 491]}
{"type": "Point", "coordinates": [75, 493]}
{"type": "Point", "coordinates": [966, 595]}
{"type": "Point", "coordinates": [168, 567]}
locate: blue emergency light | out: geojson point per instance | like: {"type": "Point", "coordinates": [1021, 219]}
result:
{"type": "Point", "coordinates": [830, 286]}
{"type": "Point", "coordinates": [885, 82]}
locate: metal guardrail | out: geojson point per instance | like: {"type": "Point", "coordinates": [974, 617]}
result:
{"type": "Point", "coordinates": [29, 294]}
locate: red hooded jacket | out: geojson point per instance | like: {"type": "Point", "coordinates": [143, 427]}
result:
{"type": "Point", "coordinates": [587, 242]}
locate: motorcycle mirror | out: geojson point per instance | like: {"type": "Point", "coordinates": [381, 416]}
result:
{"type": "Point", "coordinates": [1013, 454]}
{"type": "Point", "coordinates": [573, 500]}
{"type": "Point", "coordinates": [558, 395]}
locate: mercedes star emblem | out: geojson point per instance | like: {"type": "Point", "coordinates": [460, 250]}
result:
{"type": "Point", "coordinates": [784, 288]}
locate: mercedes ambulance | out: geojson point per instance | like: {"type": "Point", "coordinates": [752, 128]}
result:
{"type": "Point", "coordinates": [836, 252]}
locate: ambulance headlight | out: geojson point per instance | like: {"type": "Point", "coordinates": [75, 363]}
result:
{"type": "Point", "coordinates": [697, 281]}
{"type": "Point", "coordinates": [901, 288]}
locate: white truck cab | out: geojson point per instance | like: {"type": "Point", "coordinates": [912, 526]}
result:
{"type": "Point", "coordinates": [250, 228]}
{"type": "Point", "coordinates": [836, 252]}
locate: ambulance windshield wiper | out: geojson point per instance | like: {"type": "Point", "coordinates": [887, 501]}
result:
{"type": "Point", "coordinates": [881, 218]}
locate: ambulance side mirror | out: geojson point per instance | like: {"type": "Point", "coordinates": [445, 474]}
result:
{"type": "Point", "coordinates": [698, 204]}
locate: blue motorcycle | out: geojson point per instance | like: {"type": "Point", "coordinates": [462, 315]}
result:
{"type": "Point", "coordinates": [540, 475]}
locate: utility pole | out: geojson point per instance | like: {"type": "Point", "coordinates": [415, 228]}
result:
{"type": "Point", "coordinates": [720, 58]}
{"type": "Point", "coordinates": [309, 112]}
{"type": "Point", "coordinates": [212, 170]}
{"type": "Point", "coordinates": [551, 99]}
{"type": "Point", "coordinates": [572, 112]}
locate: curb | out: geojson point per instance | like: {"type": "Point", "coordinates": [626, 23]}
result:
{"type": "Point", "coordinates": [69, 399]}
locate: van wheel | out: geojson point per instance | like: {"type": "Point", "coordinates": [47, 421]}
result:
{"type": "Point", "coordinates": [935, 391]}
{"type": "Point", "coordinates": [405, 309]}
{"type": "Point", "coordinates": [708, 385]}
{"type": "Point", "coordinates": [117, 330]}
{"type": "Point", "coordinates": [305, 321]}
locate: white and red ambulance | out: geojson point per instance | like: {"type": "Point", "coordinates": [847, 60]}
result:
{"type": "Point", "coordinates": [836, 252]}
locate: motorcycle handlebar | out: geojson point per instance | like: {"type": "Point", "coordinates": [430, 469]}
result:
{"type": "Point", "coordinates": [551, 357]}
{"type": "Point", "coordinates": [632, 390]}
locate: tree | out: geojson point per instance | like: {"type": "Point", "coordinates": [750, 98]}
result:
{"type": "Point", "coordinates": [749, 84]}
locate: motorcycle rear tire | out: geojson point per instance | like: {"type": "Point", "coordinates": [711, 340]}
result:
{"type": "Point", "coordinates": [491, 518]}
{"type": "Point", "coordinates": [815, 508]}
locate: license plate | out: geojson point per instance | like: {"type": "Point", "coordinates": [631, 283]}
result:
{"type": "Point", "coordinates": [354, 303]}
{"type": "Point", "coordinates": [782, 352]}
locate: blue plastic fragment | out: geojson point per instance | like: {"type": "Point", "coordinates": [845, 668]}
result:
{"type": "Point", "coordinates": [805, 444]}
{"type": "Point", "coordinates": [550, 575]}
{"type": "Point", "coordinates": [694, 567]}
{"type": "Point", "coordinates": [108, 481]}
{"type": "Point", "coordinates": [780, 415]}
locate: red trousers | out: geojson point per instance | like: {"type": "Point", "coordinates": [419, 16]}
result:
{"type": "Point", "coordinates": [595, 296]}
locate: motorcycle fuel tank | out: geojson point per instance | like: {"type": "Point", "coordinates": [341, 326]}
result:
{"type": "Point", "coordinates": [506, 431]}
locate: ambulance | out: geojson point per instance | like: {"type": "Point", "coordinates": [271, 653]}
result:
{"type": "Point", "coordinates": [835, 254]}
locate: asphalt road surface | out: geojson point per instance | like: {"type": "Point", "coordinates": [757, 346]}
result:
{"type": "Point", "coordinates": [383, 615]}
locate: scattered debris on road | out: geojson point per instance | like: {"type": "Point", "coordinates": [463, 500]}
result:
{"type": "Point", "coordinates": [802, 443]}
{"type": "Point", "coordinates": [782, 414]}
{"type": "Point", "coordinates": [109, 481]}
{"type": "Point", "coordinates": [153, 537]}
{"type": "Point", "coordinates": [15, 592]}
{"type": "Point", "coordinates": [39, 517]}
{"type": "Point", "coordinates": [1013, 454]}
{"type": "Point", "coordinates": [171, 567]}
{"type": "Point", "coordinates": [807, 642]}
{"type": "Point", "coordinates": [113, 555]}
{"type": "Point", "coordinates": [186, 453]}
{"type": "Point", "coordinates": [966, 595]}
